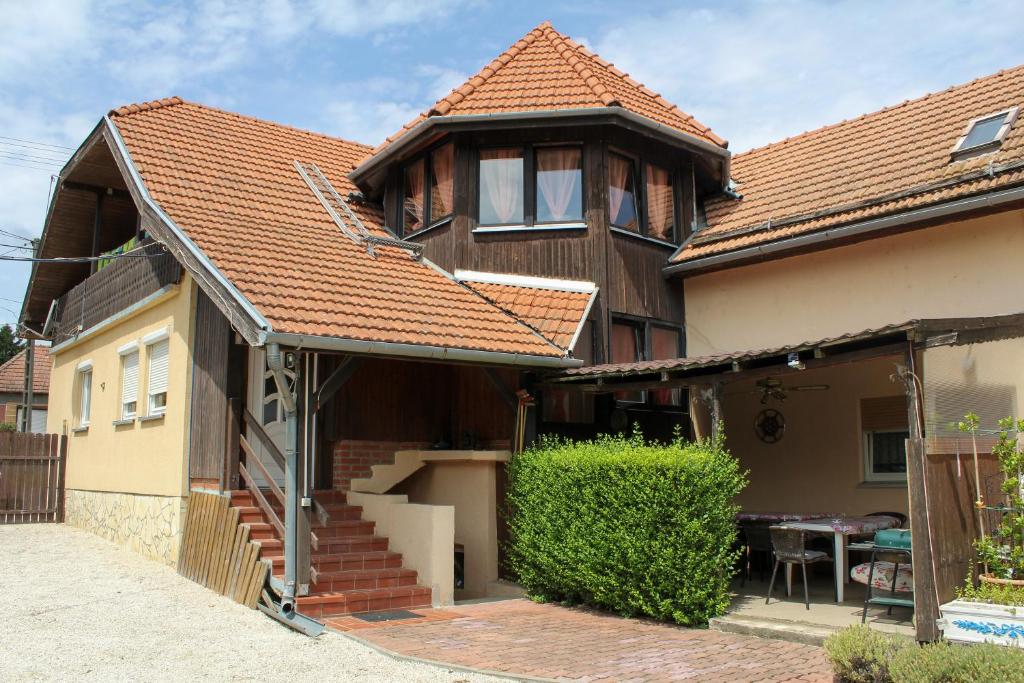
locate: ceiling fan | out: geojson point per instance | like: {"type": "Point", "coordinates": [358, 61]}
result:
{"type": "Point", "coordinates": [771, 388]}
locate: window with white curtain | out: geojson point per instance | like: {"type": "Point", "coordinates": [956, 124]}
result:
{"type": "Point", "coordinates": [129, 383]}
{"type": "Point", "coordinates": [156, 381]}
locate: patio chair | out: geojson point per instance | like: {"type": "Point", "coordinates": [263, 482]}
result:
{"type": "Point", "coordinates": [756, 541]}
{"type": "Point", "coordinates": [789, 547]}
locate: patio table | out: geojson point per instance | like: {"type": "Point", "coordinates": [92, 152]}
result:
{"type": "Point", "coordinates": [841, 529]}
{"type": "Point", "coordinates": [780, 516]}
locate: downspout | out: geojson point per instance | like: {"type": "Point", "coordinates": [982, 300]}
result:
{"type": "Point", "coordinates": [275, 362]}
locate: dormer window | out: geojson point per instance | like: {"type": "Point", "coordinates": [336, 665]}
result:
{"type": "Point", "coordinates": [984, 134]}
{"type": "Point", "coordinates": [531, 187]}
{"type": "Point", "coordinates": [661, 201]}
{"type": "Point", "coordinates": [433, 176]}
{"type": "Point", "coordinates": [622, 193]}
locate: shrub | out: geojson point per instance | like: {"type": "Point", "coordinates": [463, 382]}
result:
{"type": "Point", "coordinates": [624, 525]}
{"type": "Point", "coordinates": [860, 655]}
{"type": "Point", "coordinates": [944, 663]}
{"type": "Point", "coordinates": [997, 594]}
{"type": "Point", "coordinates": [7, 427]}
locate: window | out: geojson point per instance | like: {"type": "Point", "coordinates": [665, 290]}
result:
{"type": "Point", "coordinates": [559, 184]}
{"type": "Point", "coordinates": [622, 193]}
{"type": "Point", "coordinates": [501, 187]}
{"type": "Point", "coordinates": [665, 344]}
{"type": "Point", "coordinates": [628, 346]}
{"type": "Point", "coordinates": [129, 382]}
{"type": "Point", "coordinates": [984, 134]}
{"type": "Point", "coordinates": [431, 176]}
{"type": "Point", "coordinates": [156, 382]}
{"type": "Point", "coordinates": [885, 431]}
{"type": "Point", "coordinates": [661, 201]}
{"type": "Point", "coordinates": [84, 393]}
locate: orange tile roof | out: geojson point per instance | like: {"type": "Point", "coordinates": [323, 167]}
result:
{"type": "Point", "coordinates": [12, 373]}
{"type": "Point", "coordinates": [557, 314]}
{"type": "Point", "coordinates": [547, 70]}
{"type": "Point", "coordinates": [229, 182]}
{"type": "Point", "coordinates": [881, 163]}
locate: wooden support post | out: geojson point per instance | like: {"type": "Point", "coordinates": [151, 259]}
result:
{"type": "Point", "coordinates": [29, 394]}
{"type": "Point", "coordinates": [926, 601]}
{"type": "Point", "coordinates": [61, 477]}
{"type": "Point", "coordinates": [232, 445]}
{"type": "Point", "coordinates": [716, 408]}
{"type": "Point", "coordinates": [97, 226]}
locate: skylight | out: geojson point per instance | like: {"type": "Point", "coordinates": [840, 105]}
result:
{"type": "Point", "coordinates": [984, 134]}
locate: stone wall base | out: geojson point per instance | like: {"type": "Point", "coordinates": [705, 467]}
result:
{"type": "Point", "coordinates": [149, 525]}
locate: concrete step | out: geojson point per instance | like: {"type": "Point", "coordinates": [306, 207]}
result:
{"type": "Point", "coordinates": [777, 629]}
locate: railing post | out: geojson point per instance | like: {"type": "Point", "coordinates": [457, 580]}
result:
{"type": "Point", "coordinates": [232, 446]}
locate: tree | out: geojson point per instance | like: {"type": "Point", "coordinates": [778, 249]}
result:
{"type": "Point", "coordinates": [10, 345]}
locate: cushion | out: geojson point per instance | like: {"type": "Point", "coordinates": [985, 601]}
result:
{"type": "Point", "coordinates": [811, 555]}
{"type": "Point", "coordinates": [882, 578]}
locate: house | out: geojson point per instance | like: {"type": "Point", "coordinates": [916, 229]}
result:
{"type": "Point", "coordinates": [12, 389]}
{"type": "Point", "coordinates": [353, 340]}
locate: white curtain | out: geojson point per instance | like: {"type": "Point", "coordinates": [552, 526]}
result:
{"type": "Point", "coordinates": [442, 194]}
{"type": "Point", "coordinates": [557, 171]}
{"type": "Point", "coordinates": [660, 214]}
{"type": "Point", "coordinates": [618, 187]}
{"type": "Point", "coordinates": [502, 181]}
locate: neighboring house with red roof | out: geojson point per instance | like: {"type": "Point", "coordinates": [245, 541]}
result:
{"type": "Point", "coordinates": [551, 247]}
{"type": "Point", "coordinates": [12, 388]}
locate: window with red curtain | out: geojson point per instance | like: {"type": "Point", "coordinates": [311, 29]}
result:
{"type": "Point", "coordinates": [661, 218]}
{"type": "Point", "coordinates": [665, 345]}
{"type": "Point", "coordinates": [559, 184]}
{"type": "Point", "coordinates": [627, 347]}
{"type": "Point", "coordinates": [501, 186]}
{"type": "Point", "coordinates": [622, 193]}
{"type": "Point", "coordinates": [442, 182]}
{"type": "Point", "coordinates": [412, 203]}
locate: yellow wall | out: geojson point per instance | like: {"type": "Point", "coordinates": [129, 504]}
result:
{"type": "Point", "coordinates": [142, 457]}
{"type": "Point", "coordinates": [954, 270]}
{"type": "Point", "coordinates": [818, 464]}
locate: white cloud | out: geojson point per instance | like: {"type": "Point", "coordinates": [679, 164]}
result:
{"type": "Point", "coordinates": [757, 72]}
{"type": "Point", "coordinates": [367, 121]}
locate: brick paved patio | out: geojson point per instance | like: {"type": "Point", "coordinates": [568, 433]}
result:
{"type": "Point", "coordinates": [548, 641]}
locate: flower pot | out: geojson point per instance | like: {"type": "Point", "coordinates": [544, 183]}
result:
{"type": "Point", "coordinates": [988, 578]}
{"type": "Point", "coordinates": [983, 622]}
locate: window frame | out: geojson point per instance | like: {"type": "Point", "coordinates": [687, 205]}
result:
{"type": "Point", "coordinates": [530, 221]}
{"type": "Point", "coordinates": [428, 220]}
{"type": "Point", "coordinates": [646, 325]}
{"type": "Point", "coordinates": [126, 352]}
{"type": "Point", "coordinates": [152, 411]}
{"type": "Point", "coordinates": [640, 164]}
{"type": "Point", "coordinates": [84, 394]}
{"type": "Point", "coordinates": [867, 449]}
{"type": "Point", "coordinates": [960, 152]}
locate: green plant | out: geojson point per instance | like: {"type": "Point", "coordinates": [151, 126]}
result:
{"type": "Point", "coordinates": [860, 655]}
{"type": "Point", "coordinates": [620, 524]}
{"type": "Point", "coordinates": [7, 427]}
{"type": "Point", "coordinates": [996, 594]}
{"type": "Point", "coordinates": [945, 663]}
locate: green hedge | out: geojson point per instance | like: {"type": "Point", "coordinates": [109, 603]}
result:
{"type": "Point", "coordinates": [861, 655]}
{"type": "Point", "coordinates": [619, 524]}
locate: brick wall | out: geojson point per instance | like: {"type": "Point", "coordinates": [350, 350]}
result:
{"type": "Point", "coordinates": [353, 458]}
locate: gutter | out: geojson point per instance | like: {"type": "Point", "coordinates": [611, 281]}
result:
{"type": "Point", "coordinates": [189, 245]}
{"type": "Point", "coordinates": [988, 200]}
{"type": "Point", "coordinates": [440, 353]}
{"type": "Point", "coordinates": [411, 136]}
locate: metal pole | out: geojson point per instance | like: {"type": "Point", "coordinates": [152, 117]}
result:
{"type": "Point", "coordinates": [29, 394]}
{"type": "Point", "coordinates": [275, 362]}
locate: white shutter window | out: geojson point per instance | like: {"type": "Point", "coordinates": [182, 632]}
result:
{"type": "Point", "coordinates": [157, 381]}
{"type": "Point", "coordinates": [129, 384]}
{"type": "Point", "coordinates": [86, 397]}
{"type": "Point", "coordinates": [38, 421]}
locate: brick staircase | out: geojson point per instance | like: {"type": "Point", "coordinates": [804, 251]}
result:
{"type": "Point", "coordinates": [355, 571]}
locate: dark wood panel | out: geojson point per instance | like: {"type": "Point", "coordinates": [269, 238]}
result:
{"type": "Point", "coordinates": [635, 283]}
{"type": "Point", "coordinates": [210, 361]}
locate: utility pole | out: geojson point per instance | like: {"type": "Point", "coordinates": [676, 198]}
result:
{"type": "Point", "coordinates": [28, 394]}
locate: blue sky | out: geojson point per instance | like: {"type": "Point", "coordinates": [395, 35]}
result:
{"type": "Point", "coordinates": [754, 71]}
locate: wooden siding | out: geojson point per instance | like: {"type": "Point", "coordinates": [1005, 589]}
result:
{"type": "Point", "coordinates": [626, 268]}
{"type": "Point", "coordinates": [212, 337]}
{"type": "Point", "coordinates": [32, 468]}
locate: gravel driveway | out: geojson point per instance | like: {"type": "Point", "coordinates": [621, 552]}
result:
{"type": "Point", "coordinates": [77, 607]}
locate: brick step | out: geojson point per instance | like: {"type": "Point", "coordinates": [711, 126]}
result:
{"type": "Point", "coordinates": [249, 515]}
{"type": "Point", "coordinates": [327, 497]}
{"type": "Point", "coordinates": [350, 544]}
{"type": "Point", "coordinates": [342, 561]}
{"type": "Point", "coordinates": [270, 546]}
{"type": "Point", "coordinates": [259, 531]}
{"type": "Point", "coordinates": [344, 527]}
{"type": "Point", "coordinates": [342, 511]}
{"type": "Point", "coordinates": [359, 601]}
{"type": "Point", "coordinates": [363, 580]}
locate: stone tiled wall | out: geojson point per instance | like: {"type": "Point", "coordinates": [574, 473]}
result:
{"type": "Point", "coordinates": [149, 525]}
{"type": "Point", "coordinates": [354, 458]}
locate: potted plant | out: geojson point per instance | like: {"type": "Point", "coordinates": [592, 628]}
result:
{"type": "Point", "coordinates": [993, 610]}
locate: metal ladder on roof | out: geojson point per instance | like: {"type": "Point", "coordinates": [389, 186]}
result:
{"type": "Point", "coordinates": [343, 215]}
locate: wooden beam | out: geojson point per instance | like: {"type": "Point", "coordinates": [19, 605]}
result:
{"type": "Point", "coordinates": [96, 189]}
{"type": "Point", "coordinates": [506, 393]}
{"type": "Point", "coordinates": [336, 380]}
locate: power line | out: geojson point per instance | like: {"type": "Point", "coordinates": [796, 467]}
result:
{"type": "Point", "coordinates": [24, 156]}
{"type": "Point", "coordinates": [77, 259]}
{"type": "Point", "coordinates": [32, 147]}
{"type": "Point", "coordinates": [33, 142]}
{"type": "Point", "coordinates": [31, 167]}
{"type": "Point", "coordinates": [16, 246]}
{"type": "Point", "coordinates": [15, 235]}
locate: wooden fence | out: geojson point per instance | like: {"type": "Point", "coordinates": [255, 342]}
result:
{"type": "Point", "coordinates": [217, 553]}
{"type": "Point", "coordinates": [32, 470]}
